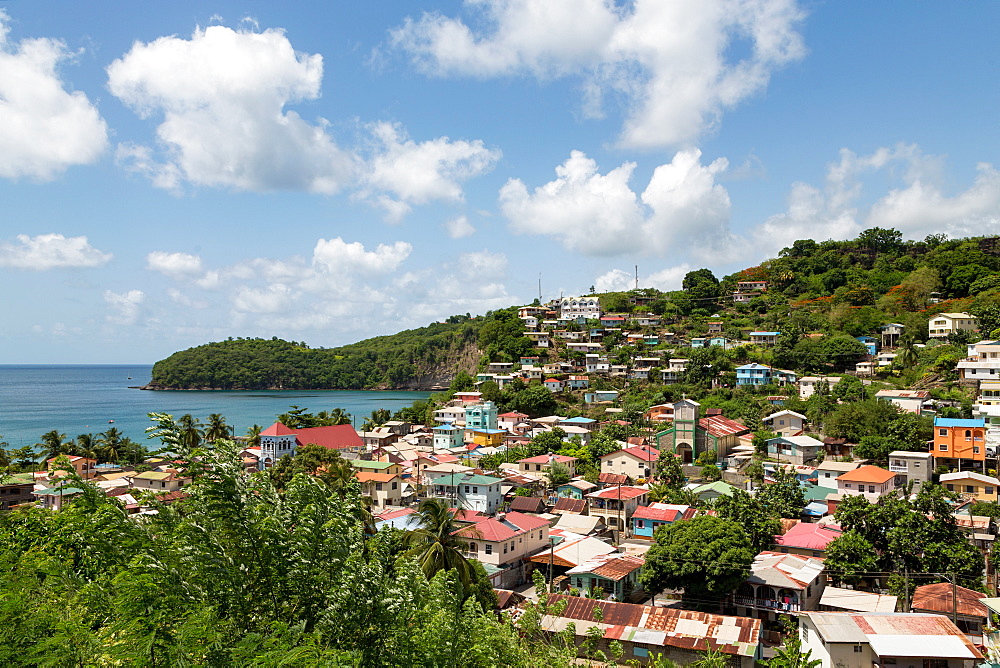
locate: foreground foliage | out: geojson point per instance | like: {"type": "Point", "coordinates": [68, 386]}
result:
{"type": "Point", "coordinates": [236, 574]}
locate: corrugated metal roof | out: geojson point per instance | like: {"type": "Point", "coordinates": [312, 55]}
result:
{"type": "Point", "coordinates": [939, 647]}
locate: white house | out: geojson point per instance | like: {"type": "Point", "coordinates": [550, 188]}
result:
{"type": "Point", "coordinates": [786, 423]}
{"type": "Point", "coordinates": [943, 324]}
{"type": "Point", "coordinates": [469, 491]}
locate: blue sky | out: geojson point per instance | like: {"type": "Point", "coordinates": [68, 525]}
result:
{"type": "Point", "coordinates": [175, 173]}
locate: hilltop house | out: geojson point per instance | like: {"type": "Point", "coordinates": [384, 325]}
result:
{"type": "Point", "coordinates": [617, 504]}
{"type": "Point", "coordinates": [943, 324]}
{"type": "Point", "coordinates": [780, 583]}
{"type": "Point", "coordinates": [503, 542]}
{"type": "Point", "coordinates": [468, 491]}
{"type": "Point", "coordinates": [786, 423]}
{"type": "Point", "coordinates": [960, 443]}
{"type": "Point", "coordinates": [794, 449]}
{"type": "Point", "coordinates": [636, 462]}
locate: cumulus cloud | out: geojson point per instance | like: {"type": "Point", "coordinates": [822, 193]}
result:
{"type": "Point", "coordinates": [174, 264]}
{"type": "Point", "coordinates": [340, 257]}
{"type": "Point", "coordinates": [50, 251]}
{"type": "Point", "coordinates": [44, 128]}
{"type": "Point", "coordinates": [271, 299]}
{"type": "Point", "coordinates": [618, 280]}
{"type": "Point", "coordinates": [676, 65]}
{"type": "Point", "coordinates": [459, 227]}
{"type": "Point", "coordinates": [124, 306]}
{"type": "Point", "coordinates": [599, 214]}
{"type": "Point", "coordinates": [222, 96]}
{"type": "Point", "coordinates": [406, 172]}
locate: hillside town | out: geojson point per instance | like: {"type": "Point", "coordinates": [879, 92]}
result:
{"type": "Point", "coordinates": [678, 529]}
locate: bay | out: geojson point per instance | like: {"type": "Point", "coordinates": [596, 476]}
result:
{"type": "Point", "coordinates": [84, 398]}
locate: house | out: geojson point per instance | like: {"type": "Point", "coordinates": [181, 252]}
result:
{"type": "Point", "coordinates": [864, 369]}
{"type": "Point", "coordinates": [885, 639]}
{"type": "Point", "coordinates": [481, 416]}
{"type": "Point", "coordinates": [722, 434]}
{"type": "Point", "coordinates": [575, 489]}
{"type": "Point", "coordinates": [637, 462]}
{"type": "Point", "coordinates": [384, 489]}
{"type": "Point", "coordinates": [681, 636]}
{"type": "Point", "coordinates": [170, 480]}
{"type": "Point", "coordinates": [890, 334]}
{"type": "Point", "coordinates": [587, 424]}
{"type": "Point", "coordinates": [648, 320]}
{"type": "Point", "coordinates": [751, 286]}
{"type": "Point", "coordinates": [660, 413]}
{"type": "Point", "coordinates": [710, 491]}
{"type": "Point", "coordinates": [915, 467]}
{"type": "Point", "coordinates": [370, 466]}
{"type": "Point", "coordinates": [645, 519]}
{"type": "Point", "coordinates": [429, 472]}
{"type": "Point", "coordinates": [836, 599]}
{"type": "Point", "coordinates": [753, 374]}
{"type": "Point", "coordinates": [870, 344]}
{"type": "Point", "coordinates": [615, 574]}
{"type": "Point", "coordinates": [583, 525]}
{"type": "Point", "coordinates": [278, 440]}
{"type": "Point", "coordinates": [54, 498]}
{"type": "Point", "coordinates": [538, 339]}
{"type": "Point", "coordinates": [467, 398]}
{"type": "Point", "coordinates": [16, 489]}
{"type": "Point", "coordinates": [486, 438]}
{"type": "Point", "coordinates": [764, 338]}
{"type": "Point", "coordinates": [885, 359]}
{"type": "Point", "coordinates": [943, 324]}
{"type": "Point", "coordinates": [971, 485]}
{"type": "Point", "coordinates": [553, 385]}
{"type": "Point", "coordinates": [450, 414]}
{"type": "Point", "coordinates": [503, 542]}
{"type": "Point", "coordinates": [674, 372]}
{"type": "Point", "coordinates": [527, 504]}
{"type": "Point", "coordinates": [570, 505]}
{"type": "Point", "coordinates": [616, 504]}
{"type": "Point", "coordinates": [616, 321]}
{"type": "Point", "coordinates": [807, 539]}
{"type": "Point", "coordinates": [908, 401]}
{"type": "Point", "coordinates": [829, 470]}
{"type": "Point", "coordinates": [960, 443]}
{"type": "Point", "coordinates": [941, 598]}
{"type": "Point", "coordinates": [808, 384]}
{"type": "Point", "coordinates": [448, 436]}
{"type": "Point", "coordinates": [85, 467]}
{"type": "Point", "coordinates": [600, 396]}
{"type": "Point", "coordinates": [578, 382]}
{"type": "Point", "coordinates": [507, 421]}
{"type": "Point", "coordinates": [780, 583]}
{"type": "Point", "coordinates": [542, 463]}
{"type": "Point", "coordinates": [786, 423]}
{"type": "Point", "coordinates": [871, 482]}
{"type": "Point", "coordinates": [595, 363]}
{"type": "Point", "coordinates": [794, 449]}
{"type": "Point", "coordinates": [468, 491]}
{"type": "Point", "coordinates": [575, 307]}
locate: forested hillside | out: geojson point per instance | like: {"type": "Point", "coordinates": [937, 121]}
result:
{"type": "Point", "coordinates": [423, 358]}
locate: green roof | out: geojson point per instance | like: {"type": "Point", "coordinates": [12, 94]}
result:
{"type": "Point", "coordinates": [718, 487]}
{"type": "Point", "coordinates": [17, 479]}
{"type": "Point", "coordinates": [816, 492]}
{"type": "Point", "coordinates": [364, 464]}
{"type": "Point", "coordinates": [466, 479]}
{"type": "Point", "coordinates": [56, 491]}
{"type": "Point", "coordinates": [152, 475]}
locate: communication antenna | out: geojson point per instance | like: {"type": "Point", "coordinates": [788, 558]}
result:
{"type": "Point", "coordinates": [539, 287]}
{"type": "Point", "coordinates": [636, 277]}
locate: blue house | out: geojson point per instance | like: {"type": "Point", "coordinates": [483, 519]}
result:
{"type": "Point", "coordinates": [598, 396]}
{"type": "Point", "coordinates": [753, 374]}
{"type": "Point", "coordinates": [447, 436]}
{"type": "Point", "coordinates": [698, 342]}
{"type": "Point", "coordinates": [870, 344]}
{"type": "Point", "coordinates": [720, 341]}
{"type": "Point", "coordinates": [481, 416]}
{"type": "Point", "coordinates": [645, 519]}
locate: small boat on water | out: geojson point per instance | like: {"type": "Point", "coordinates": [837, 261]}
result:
{"type": "Point", "coordinates": [111, 421]}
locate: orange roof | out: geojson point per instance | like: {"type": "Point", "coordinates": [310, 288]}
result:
{"type": "Point", "coordinates": [938, 598]}
{"type": "Point", "coordinates": [869, 474]}
{"type": "Point", "coordinates": [365, 476]}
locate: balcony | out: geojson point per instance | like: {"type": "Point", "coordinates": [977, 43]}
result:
{"type": "Point", "coordinates": [898, 468]}
{"type": "Point", "coordinates": [766, 604]}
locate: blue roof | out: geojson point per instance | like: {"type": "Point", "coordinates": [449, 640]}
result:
{"type": "Point", "coordinates": [580, 420]}
{"type": "Point", "coordinates": [764, 333]}
{"type": "Point", "coordinates": [446, 427]}
{"type": "Point", "coordinates": [956, 422]}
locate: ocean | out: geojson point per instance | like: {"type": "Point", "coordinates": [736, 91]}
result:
{"type": "Point", "coordinates": [88, 399]}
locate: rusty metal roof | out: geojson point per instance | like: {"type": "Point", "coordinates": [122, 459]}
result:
{"type": "Point", "coordinates": [938, 598]}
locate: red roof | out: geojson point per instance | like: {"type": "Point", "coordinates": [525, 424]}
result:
{"type": "Point", "coordinates": [277, 429]}
{"type": "Point", "coordinates": [544, 459]}
{"type": "Point", "coordinates": [643, 452]}
{"type": "Point", "coordinates": [553, 380]}
{"type": "Point", "coordinates": [719, 425]}
{"type": "Point", "coordinates": [612, 479]}
{"type": "Point", "coordinates": [664, 512]}
{"type": "Point", "coordinates": [495, 530]}
{"type": "Point", "coordinates": [364, 476]}
{"type": "Point", "coordinates": [335, 437]}
{"type": "Point", "coordinates": [620, 492]}
{"type": "Point", "coordinates": [809, 536]}
{"type": "Point", "coordinates": [938, 598]}
{"type": "Point", "coordinates": [513, 414]}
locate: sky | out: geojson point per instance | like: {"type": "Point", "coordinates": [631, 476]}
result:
{"type": "Point", "coordinates": [178, 173]}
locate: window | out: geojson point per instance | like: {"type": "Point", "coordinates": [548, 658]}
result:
{"type": "Point", "coordinates": [989, 490]}
{"type": "Point", "coordinates": [951, 488]}
{"type": "Point", "coordinates": [975, 449]}
{"type": "Point", "coordinates": [505, 548]}
{"type": "Point", "coordinates": [466, 489]}
{"type": "Point", "coordinates": [970, 489]}
{"type": "Point", "coordinates": [968, 434]}
{"type": "Point", "coordinates": [942, 432]}
{"type": "Point", "coordinates": [475, 490]}
{"type": "Point", "coordinates": [489, 549]}
{"type": "Point", "coordinates": [944, 447]}
{"type": "Point", "coordinates": [395, 485]}
{"type": "Point", "coordinates": [871, 489]}
{"type": "Point", "coordinates": [847, 485]}
{"type": "Point", "coordinates": [378, 487]}
{"type": "Point", "coordinates": [858, 649]}
{"type": "Point", "coordinates": [640, 524]}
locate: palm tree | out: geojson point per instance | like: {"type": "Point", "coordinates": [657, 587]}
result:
{"type": "Point", "coordinates": [339, 416]}
{"type": "Point", "coordinates": [217, 428]}
{"type": "Point", "coordinates": [906, 355]}
{"type": "Point", "coordinates": [86, 446]}
{"type": "Point", "coordinates": [52, 444]}
{"type": "Point", "coordinates": [253, 436]}
{"type": "Point", "coordinates": [435, 544]}
{"type": "Point", "coordinates": [191, 432]}
{"type": "Point", "coordinates": [110, 444]}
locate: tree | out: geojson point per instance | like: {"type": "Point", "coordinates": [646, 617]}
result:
{"type": "Point", "coordinates": [707, 557]}
{"type": "Point", "coordinates": [790, 654]}
{"type": "Point", "coordinates": [52, 444]}
{"type": "Point", "coordinates": [669, 471]}
{"type": "Point", "coordinates": [436, 546]}
{"type": "Point", "coordinates": [784, 497]}
{"type": "Point", "coordinates": [849, 557]}
{"type": "Point", "coordinates": [850, 388]}
{"type": "Point", "coordinates": [253, 436]}
{"type": "Point", "coordinates": [110, 444]}
{"type": "Point", "coordinates": [843, 351]}
{"type": "Point", "coordinates": [758, 522]}
{"type": "Point", "coordinates": [217, 428]}
{"type": "Point", "coordinates": [462, 382]}
{"type": "Point", "coordinates": [190, 431]}
{"type": "Point", "coordinates": [558, 474]}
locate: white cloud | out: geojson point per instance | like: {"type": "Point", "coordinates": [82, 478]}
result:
{"type": "Point", "coordinates": [44, 128]}
{"type": "Point", "coordinates": [459, 227]}
{"type": "Point", "coordinates": [222, 95]}
{"type": "Point", "coordinates": [674, 63]}
{"type": "Point", "coordinates": [174, 264]}
{"type": "Point", "coordinates": [124, 306]}
{"type": "Point", "coordinates": [50, 251]}
{"type": "Point", "coordinates": [272, 299]}
{"type": "Point", "coordinates": [417, 173]}
{"type": "Point", "coordinates": [599, 214]}
{"type": "Point", "coordinates": [339, 257]}
{"type": "Point", "coordinates": [617, 280]}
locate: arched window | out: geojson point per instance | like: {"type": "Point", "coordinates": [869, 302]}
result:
{"type": "Point", "coordinates": [473, 547]}
{"type": "Point", "coordinates": [968, 434]}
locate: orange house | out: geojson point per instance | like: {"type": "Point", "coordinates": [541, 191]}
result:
{"type": "Point", "coordinates": [956, 439]}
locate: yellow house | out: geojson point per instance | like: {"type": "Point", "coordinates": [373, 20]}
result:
{"type": "Point", "coordinates": [488, 437]}
{"type": "Point", "coordinates": [365, 466]}
{"type": "Point", "coordinates": [972, 485]}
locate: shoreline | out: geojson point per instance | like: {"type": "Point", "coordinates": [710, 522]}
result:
{"type": "Point", "coordinates": [151, 388]}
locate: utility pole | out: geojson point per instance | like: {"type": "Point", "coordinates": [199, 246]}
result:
{"type": "Point", "coordinates": [552, 556]}
{"type": "Point", "coordinates": [954, 600]}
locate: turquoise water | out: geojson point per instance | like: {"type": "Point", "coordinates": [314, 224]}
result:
{"type": "Point", "coordinates": [81, 399]}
